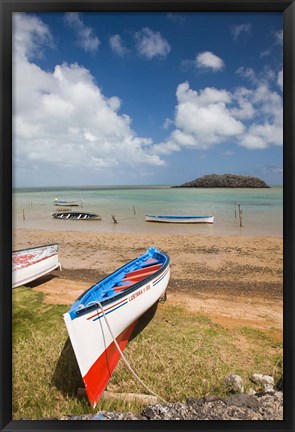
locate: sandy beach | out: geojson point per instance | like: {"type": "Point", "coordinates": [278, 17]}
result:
{"type": "Point", "coordinates": [234, 280]}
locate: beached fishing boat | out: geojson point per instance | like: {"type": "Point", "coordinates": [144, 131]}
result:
{"type": "Point", "coordinates": [179, 219]}
{"type": "Point", "coordinates": [76, 215]}
{"type": "Point", "coordinates": [61, 202]}
{"type": "Point", "coordinates": [106, 315]}
{"type": "Point", "coordinates": [30, 264]}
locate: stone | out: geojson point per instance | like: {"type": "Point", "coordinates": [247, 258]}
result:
{"type": "Point", "coordinates": [268, 388]}
{"type": "Point", "coordinates": [263, 379]}
{"type": "Point", "coordinates": [234, 383]}
{"type": "Point", "coordinates": [261, 406]}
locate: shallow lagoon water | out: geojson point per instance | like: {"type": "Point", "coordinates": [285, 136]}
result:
{"type": "Point", "coordinates": [262, 209]}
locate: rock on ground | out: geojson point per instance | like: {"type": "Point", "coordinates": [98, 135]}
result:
{"type": "Point", "coordinates": [261, 406]}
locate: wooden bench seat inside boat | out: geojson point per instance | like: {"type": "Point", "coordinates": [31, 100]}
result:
{"type": "Point", "coordinates": [143, 271]}
{"type": "Point", "coordinates": [136, 276]}
{"type": "Point", "coordinates": [149, 262]}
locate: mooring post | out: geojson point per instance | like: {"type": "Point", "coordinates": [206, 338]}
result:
{"type": "Point", "coordinates": [24, 215]}
{"type": "Point", "coordinates": [134, 210]}
{"type": "Point", "coordinates": [241, 218]}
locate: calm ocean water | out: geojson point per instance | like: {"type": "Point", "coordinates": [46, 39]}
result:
{"type": "Point", "coordinates": [262, 209]}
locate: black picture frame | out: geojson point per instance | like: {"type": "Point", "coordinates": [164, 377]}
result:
{"type": "Point", "coordinates": [287, 8]}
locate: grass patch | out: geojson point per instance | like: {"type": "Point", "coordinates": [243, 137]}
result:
{"type": "Point", "coordinates": [177, 354]}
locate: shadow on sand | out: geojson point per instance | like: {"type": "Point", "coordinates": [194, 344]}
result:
{"type": "Point", "coordinates": [41, 280]}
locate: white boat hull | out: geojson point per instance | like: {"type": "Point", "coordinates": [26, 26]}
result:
{"type": "Point", "coordinates": [33, 263]}
{"type": "Point", "coordinates": [64, 203]}
{"type": "Point", "coordinates": [93, 344]}
{"type": "Point", "coordinates": [179, 219]}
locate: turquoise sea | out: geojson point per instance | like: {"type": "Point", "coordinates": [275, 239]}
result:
{"type": "Point", "coordinates": [262, 209]}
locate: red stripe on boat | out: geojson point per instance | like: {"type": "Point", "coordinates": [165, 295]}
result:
{"type": "Point", "coordinates": [106, 309]}
{"type": "Point", "coordinates": [99, 374]}
{"type": "Point", "coordinates": [27, 260]}
{"type": "Point", "coordinates": [161, 275]}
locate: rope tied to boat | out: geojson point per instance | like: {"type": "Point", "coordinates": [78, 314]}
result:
{"type": "Point", "coordinates": [124, 358]}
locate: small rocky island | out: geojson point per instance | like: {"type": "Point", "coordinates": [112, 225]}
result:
{"type": "Point", "coordinates": [225, 181]}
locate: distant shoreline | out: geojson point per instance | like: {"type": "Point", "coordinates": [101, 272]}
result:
{"type": "Point", "coordinates": [103, 187]}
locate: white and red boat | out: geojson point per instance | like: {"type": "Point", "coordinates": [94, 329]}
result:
{"type": "Point", "coordinates": [30, 264]}
{"type": "Point", "coordinates": [109, 311]}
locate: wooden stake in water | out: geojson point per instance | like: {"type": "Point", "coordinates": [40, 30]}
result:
{"type": "Point", "coordinates": [134, 210]}
{"type": "Point", "coordinates": [241, 218]}
{"type": "Point", "coordinates": [114, 219]}
{"type": "Point", "coordinates": [24, 218]}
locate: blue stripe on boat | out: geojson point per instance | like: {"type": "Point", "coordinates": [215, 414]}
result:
{"type": "Point", "coordinates": [112, 310]}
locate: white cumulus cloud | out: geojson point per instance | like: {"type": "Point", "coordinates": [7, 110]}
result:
{"type": "Point", "coordinates": [280, 79]}
{"type": "Point", "coordinates": [266, 128]}
{"type": "Point", "coordinates": [208, 60]}
{"type": "Point", "coordinates": [241, 29]}
{"type": "Point", "coordinates": [62, 117]}
{"type": "Point", "coordinates": [202, 120]}
{"type": "Point", "coordinates": [151, 44]}
{"type": "Point", "coordinates": [30, 36]}
{"type": "Point", "coordinates": [117, 45]}
{"type": "Point", "coordinates": [86, 37]}
{"type": "Point", "coordinates": [251, 118]}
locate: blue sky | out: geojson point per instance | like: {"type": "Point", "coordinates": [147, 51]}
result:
{"type": "Point", "coordinates": [146, 98]}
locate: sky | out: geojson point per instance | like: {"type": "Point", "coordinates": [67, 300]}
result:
{"type": "Point", "coordinates": [124, 98]}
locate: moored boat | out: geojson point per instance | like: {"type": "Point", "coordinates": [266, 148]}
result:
{"type": "Point", "coordinates": [179, 219]}
{"type": "Point", "coordinates": [76, 215]}
{"type": "Point", "coordinates": [62, 202]}
{"type": "Point", "coordinates": [30, 264]}
{"type": "Point", "coordinates": [106, 314]}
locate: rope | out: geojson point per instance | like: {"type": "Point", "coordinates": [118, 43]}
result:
{"type": "Point", "coordinates": [124, 358]}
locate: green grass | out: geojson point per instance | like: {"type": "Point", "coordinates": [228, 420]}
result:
{"type": "Point", "coordinates": [177, 354]}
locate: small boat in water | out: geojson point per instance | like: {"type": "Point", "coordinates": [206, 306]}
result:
{"type": "Point", "coordinates": [30, 264]}
{"type": "Point", "coordinates": [61, 202]}
{"type": "Point", "coordinates": [76, 215]}
{"type": "Point", "coordinates": [179, 219]}
{"type": "Point", "coordinates": [106, 315]}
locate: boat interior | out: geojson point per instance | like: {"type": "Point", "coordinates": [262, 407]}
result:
{"type": "Point", "coordinates": [125, 279]}
{"type": "Point", "coordinates": [122, 279]}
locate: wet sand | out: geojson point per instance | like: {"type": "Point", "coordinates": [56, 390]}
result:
{"type": "Point", "coordinates": [236, 281]}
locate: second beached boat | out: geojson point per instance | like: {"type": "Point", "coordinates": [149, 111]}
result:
{"type": "Point", "coordinates": [105, 315]}
{"type": "Point", "coordinates": [179, 219]}
{"type": "Point", "coordinates": [30, 264]}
